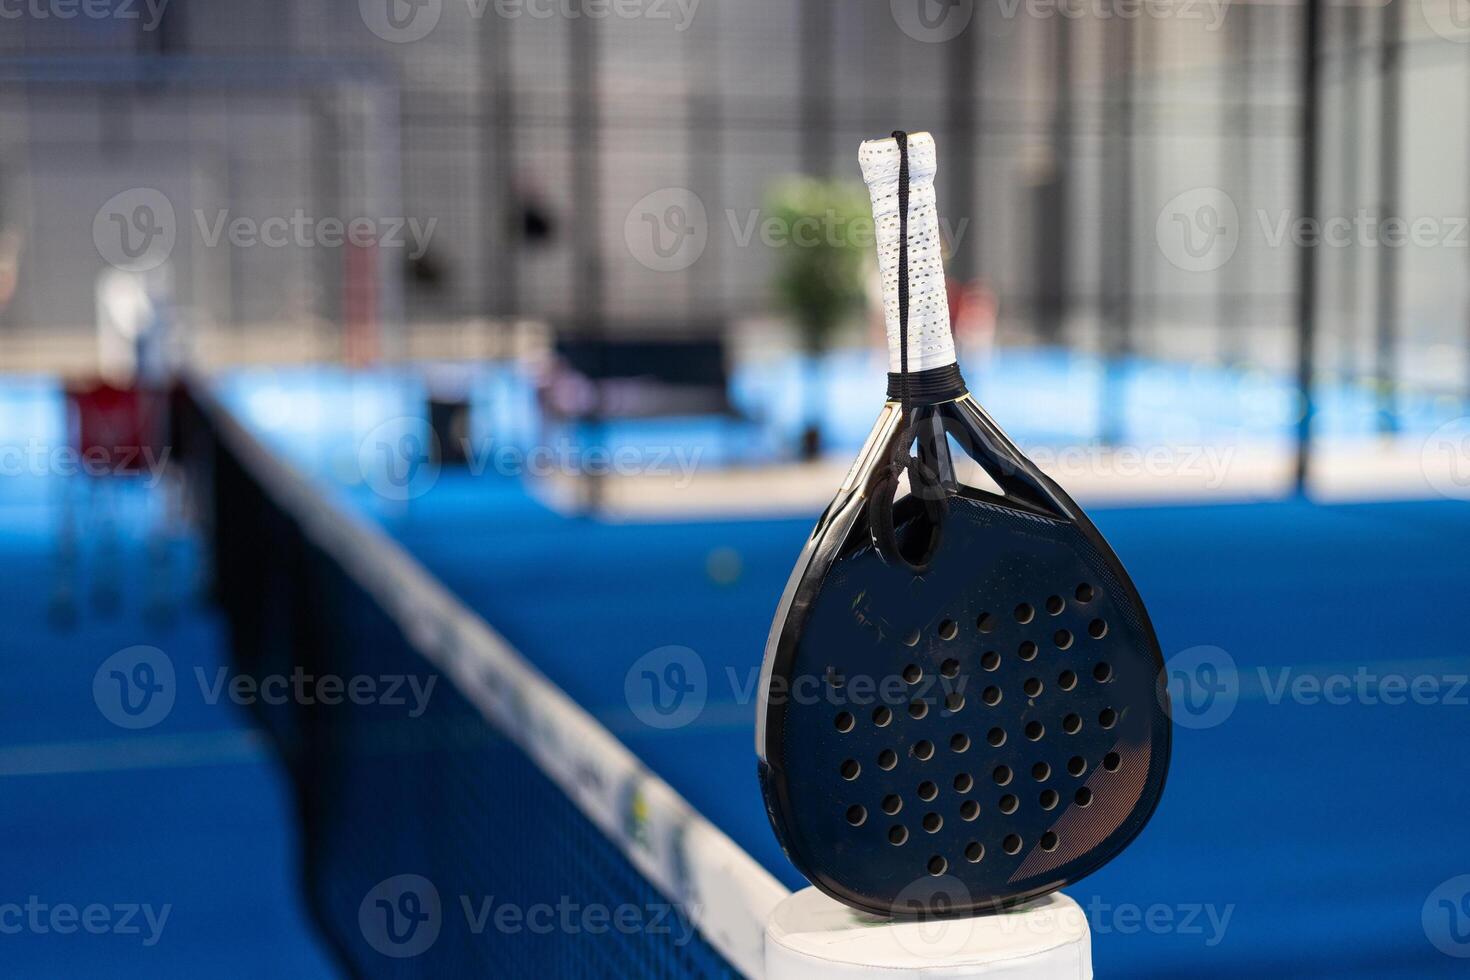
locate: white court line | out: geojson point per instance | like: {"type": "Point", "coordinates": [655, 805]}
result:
{"type": "Point", "coordinates": [133, 752]}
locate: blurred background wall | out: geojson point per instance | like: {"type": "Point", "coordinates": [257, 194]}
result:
{"type": "Point", "coordinates": [543, 142]}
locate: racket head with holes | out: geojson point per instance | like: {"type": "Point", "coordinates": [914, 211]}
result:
{"type": "Point", "coordinates": [978, 734]}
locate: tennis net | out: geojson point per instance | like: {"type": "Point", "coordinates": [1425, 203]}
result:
{"type": "Point", "coordinates": [460, 815]}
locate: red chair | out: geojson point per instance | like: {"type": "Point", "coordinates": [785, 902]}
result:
{"type": "Point", "coordinates": [117, 430]}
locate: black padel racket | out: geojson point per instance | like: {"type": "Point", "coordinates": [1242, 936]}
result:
{"type": "Point", "coordinates": [963, 703]}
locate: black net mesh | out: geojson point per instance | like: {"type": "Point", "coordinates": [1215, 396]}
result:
{"type": "Point", "coordinates": [432, 844]}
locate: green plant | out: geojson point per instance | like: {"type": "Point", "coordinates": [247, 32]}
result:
{"type": "Point", "coordinates": [822, 234]}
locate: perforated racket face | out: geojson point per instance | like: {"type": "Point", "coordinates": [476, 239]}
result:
{"type": "Point", "coordinates": [970, 737]}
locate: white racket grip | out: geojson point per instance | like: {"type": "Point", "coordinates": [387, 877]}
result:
{"type": "Point", "coordinates": [930, 343]}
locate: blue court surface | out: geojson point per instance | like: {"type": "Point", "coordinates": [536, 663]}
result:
{"type": "Point", "coordinates": [1313, 807]}
{"type": "Point", "coordinates": [1312, 833]}
{"type": "Point", "coordinates": [1042, 397]}
{"type": "Point", "coordinates": [158, 852]}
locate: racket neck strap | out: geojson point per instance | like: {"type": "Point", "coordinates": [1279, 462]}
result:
{"type": "Point", "coordinates": [902, 139]}
{"type": "Point", "coordinates": [924, 483]}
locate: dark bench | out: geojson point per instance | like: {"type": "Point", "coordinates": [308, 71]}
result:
{"type": "Point", "coordinates": [637, 378]}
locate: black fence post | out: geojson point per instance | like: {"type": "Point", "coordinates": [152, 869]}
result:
{"type": "Point", "coordinates": [1385, 360]}
{"type": "Point", "coordinates": [1311, 56]}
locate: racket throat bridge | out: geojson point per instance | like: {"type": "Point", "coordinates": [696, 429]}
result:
{"type": "Point", "coordinates": [933, 451]}
{"type": "Point", "coordinates": [909, 531]}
